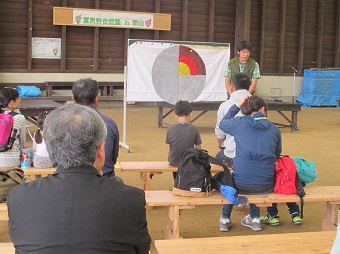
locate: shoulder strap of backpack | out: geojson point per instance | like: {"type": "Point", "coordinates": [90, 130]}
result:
{"type": "Point", "coordinates": [12, 113]}
{"type": "Point", "coordinates": [300, 192]}
{"type": "Point", "coordinates": [226, 170]}
{"type": "Point", "coordinates": [16, 175]}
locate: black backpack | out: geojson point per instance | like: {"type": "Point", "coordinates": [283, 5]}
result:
{"type": "Point", "coordinates": [194, 177]}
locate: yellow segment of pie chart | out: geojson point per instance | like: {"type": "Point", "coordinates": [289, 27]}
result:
{"type": "Point", "coordinates": [183, 69]}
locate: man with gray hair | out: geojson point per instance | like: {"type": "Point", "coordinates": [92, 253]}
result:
{"type": "Point", "coordinates": [76, 210]}
{"type": "Point", "coordinates": [86, 92]}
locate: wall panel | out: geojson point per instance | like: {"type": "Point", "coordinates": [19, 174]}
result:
{"type": "Point", "coordinates": [271, 38]}
{"type": "Point", "coordinates": [328, 41]}
{"type": "Point", "coordinates": [13, 34]}
{"type": "Point", "coordinates": [103, 50]}
{"type": "Point", "coordinates": [255, 29]}
{"type": "Point", "coordinates": [311, 34]}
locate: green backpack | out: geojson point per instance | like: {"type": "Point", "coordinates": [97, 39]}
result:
{"type": "Point", "coordinates": [9, 179]}
{"type": "Point", "coordinates": [306, 170]}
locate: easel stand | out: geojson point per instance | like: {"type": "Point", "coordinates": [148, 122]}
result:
{"type": "Point", "coordinates": [123, 144]}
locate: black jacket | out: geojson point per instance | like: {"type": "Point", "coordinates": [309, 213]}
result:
{"type": "Point", "coordinates": [78, 211]}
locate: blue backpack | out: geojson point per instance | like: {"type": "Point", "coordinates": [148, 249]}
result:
{"type": "Point", "coordinates": [306, 170]}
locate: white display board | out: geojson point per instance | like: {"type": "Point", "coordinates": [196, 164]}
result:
{"type": "Point", "coordinates": [176, 70]}
{"type": "Point", "coordinates": [47, 48]}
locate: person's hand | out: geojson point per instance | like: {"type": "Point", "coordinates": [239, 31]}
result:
{"type": "Point", "coordinates": [243, 99]}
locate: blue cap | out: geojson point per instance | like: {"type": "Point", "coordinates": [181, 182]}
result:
{"type": "Point", "coordinates": [231, 195]}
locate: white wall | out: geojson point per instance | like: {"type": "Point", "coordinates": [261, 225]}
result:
{"type": "Point", "coordinates": [264, 85]}
{"type": "Point", "coordinates": [69, 77]}
{"type": "Point", "coordinates": [285, 84]}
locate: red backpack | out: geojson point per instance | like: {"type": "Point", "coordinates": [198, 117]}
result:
{"type": "Point", "coordinates": [285, 174]}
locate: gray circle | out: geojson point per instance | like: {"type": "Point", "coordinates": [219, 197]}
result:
{"type": "Point", "coordinates": [171, 86]}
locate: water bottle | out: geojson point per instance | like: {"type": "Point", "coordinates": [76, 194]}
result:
{"type": "Point", "coordinates": [26, 157]}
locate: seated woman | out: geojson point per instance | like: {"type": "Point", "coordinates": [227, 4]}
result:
{"type": "Point", "coordinates": [41, 158]}
{"type": "Point", "coordinates": [9, 102]}
{"type": "Point", "coordinates": [258, 145]}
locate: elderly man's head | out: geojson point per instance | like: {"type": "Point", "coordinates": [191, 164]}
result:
{"type": "Point", "coordinates": [74, 137]}
{"type": "Point", "coordinates": [85, 91]}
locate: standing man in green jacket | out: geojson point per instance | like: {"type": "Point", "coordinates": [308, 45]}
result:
{"type": "Point", "coordinates": [244, 64]}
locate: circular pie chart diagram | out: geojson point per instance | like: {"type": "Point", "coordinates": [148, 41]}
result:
{"type": "Point", "coordinates": [178, 73]}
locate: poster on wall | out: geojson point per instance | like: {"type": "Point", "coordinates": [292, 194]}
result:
{"type": "Point", "coordinates": [176, 70]}
{"type": "Point", "coordinates": [46, 48]}
{"type": "Point", "coordinates": [113, 19]}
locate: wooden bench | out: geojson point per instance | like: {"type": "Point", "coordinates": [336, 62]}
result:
{"type": "Point", "coordinates": [3, 211]}
{"type": "Point", "coordinates": [7, 248]}
{"type": "Point", "coordinates": [297, 243]}
{"type": "Point", "coordinates": [107, 90]}
{"type": "Point", "coordinates": [33, 172]}
{"type": "Point", "coordinates": [173, 204]}
{"type": "Point", "coordinates": [278, 106]}
{"type": "Point", "coordinates": [147, 168]}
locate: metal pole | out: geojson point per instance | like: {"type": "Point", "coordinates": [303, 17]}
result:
{"type": "Point", "coordinates": [295, 71]}
{"type": "Point", "coordinates": [123, 144]}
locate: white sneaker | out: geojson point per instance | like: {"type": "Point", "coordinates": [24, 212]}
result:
{"type": "Point", "coordinates": [225, 224]}
{"type": "Point", "coordinates": [254, 224]}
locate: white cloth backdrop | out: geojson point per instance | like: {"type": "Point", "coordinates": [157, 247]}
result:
{"type": "Point", "coordinates": [142, 54]}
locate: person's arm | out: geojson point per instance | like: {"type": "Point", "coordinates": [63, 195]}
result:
{"type": "Point", "coordinates": [228, 85]}
{"type": "Point", "coordinates": [198, 140]}
{"type": "Point", "coordinates": [220, 142]}
{"type": "Point", "coordinates": [34, 144]}
{"type": "Point", "coordinates": [116, 147]}
{"type": "Point", "coordinates": [228, 124]}
{"type": "Point", "coordinates": [111, 144]}
{"type": "Point", "coordinates": [253, 85]}
{"type": "Point", "coordinates": [220, 135]}
{"type": "Point", "coordinates": [20, 125]}
{"type": "Point", "coordinates": [227, 75]}
{"type": "Point", "coordinates": [279, 145]}
{"type": "Point", "coordinates": [256, 75]}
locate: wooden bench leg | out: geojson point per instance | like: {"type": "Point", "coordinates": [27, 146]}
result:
{"type": "Point", "coordinates": [172, 230]}
{"type": "Point", "coordinates": [173, 216]}
{"type": "Point", "coordinates": [145, 177]}
{"type": "Point", "coordinates": [330, 221]}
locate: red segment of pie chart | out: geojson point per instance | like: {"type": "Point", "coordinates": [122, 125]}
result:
{"type": "Point", "coordinates": [192, 59]}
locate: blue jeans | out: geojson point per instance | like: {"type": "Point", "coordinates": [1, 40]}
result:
{"type": "Point", "coordinates": [220, 156]}
{"type": "Point", "coordinates": [251, 190]}
{"type": "Point", "coordinates": [254, 211]}
{"type": "Point", "coordinates": [293, 207]}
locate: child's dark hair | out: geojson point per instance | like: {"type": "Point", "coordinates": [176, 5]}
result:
{"type": "Point", "coordinates": [243, 45]}
{"type": "Point", "coordinates": [253, 104]}
{"type": "Point", "coordinates": [183, 108]}
{"type": "Point", "coordinates": [240, 81]}
{"type": "Point", "coordinates": [40, 123]}
{"type": "Point", "coordinates": [7, 94]}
